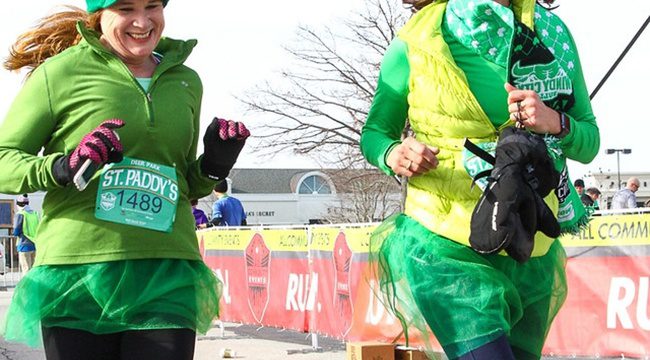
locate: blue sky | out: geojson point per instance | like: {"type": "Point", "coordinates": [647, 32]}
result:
{"type": "Point", "coordinates": [240, 45]}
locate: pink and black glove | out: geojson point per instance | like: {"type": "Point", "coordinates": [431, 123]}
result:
{"type": "Point", "coordinates": [222, 143]}
{"type": "Point", "coordinates": [101, 146]}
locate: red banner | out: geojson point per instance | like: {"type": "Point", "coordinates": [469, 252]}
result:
{"type": "Point", "coordinates": [318, 279]}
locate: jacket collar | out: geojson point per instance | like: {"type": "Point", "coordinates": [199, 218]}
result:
{"type": "Point", "coordinates": [174, 52]}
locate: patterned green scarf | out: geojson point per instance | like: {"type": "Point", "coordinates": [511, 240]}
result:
{"type": "Point", "coordinates": [572, 214]}
{"type": "Point", "coordinates": [492, 32]}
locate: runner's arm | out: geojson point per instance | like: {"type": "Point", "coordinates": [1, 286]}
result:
{"type": "Point", "coordinates": [583, 141]}
{"type": "Point", "coordinates": [389, 110]}
{"type": "Point", "coordinates": [26, 129]}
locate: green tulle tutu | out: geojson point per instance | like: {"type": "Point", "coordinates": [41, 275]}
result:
{"type": "Point", "coordinates": [466, 299]}
{"type": "Point", "coordinates": [112, 297]}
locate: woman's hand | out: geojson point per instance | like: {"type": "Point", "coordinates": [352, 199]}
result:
{"type": "Point", "coordinates": [412, 157]}
{"type": "Point", "coordinates": [222, 143]}
{"type": "Point", "coordinates": [529, 110]}
{"type": "Point", "coordinates": [100, 146]}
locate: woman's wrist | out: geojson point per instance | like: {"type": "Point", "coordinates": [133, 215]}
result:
{"type": "Point", "coordinates": [564, 125]}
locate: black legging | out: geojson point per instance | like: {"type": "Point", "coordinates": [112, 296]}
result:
{"type": "Point", "coordinates": [498, 349]}
{"type": "Point", "coordinates": [166, 344]}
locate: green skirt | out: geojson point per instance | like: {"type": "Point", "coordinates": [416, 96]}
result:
{"type": "Point", "coordinates": [465, 298]}
{"type": "Point", "coordinates": [112, 297]}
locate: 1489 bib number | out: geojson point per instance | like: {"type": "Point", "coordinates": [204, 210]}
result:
{"type": "Point", "coordinates": [142, 201]}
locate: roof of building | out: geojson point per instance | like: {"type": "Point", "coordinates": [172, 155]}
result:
{"type": "Point", "coordinates": [267, 181]}
{"type": "Point", "coordinates": [287, 181]}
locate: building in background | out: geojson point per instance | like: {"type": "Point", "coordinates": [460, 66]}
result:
{"type": "Point", "coordinates": [278, 196]}
{"type": "Point", "coordinates": [311, 196]}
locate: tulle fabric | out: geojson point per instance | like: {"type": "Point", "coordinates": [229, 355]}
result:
{"type": "Point", "coordinates": [433, 284]}
{"type": "Point", "coordinates": [112, 297]}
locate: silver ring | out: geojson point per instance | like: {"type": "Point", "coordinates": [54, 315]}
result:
{"type": "Point", "coordinates": [518, 117]}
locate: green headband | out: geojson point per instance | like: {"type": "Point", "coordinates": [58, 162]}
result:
{"type": "Point", "coordinates": [94, 5]}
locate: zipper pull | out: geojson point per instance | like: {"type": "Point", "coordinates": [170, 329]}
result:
{"type": "Point", "coordinates": [149, 97]}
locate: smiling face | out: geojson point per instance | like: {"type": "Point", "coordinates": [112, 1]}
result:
{"type": "Point", "coordinates": [132, 28]}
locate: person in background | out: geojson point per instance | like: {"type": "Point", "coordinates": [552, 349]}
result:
{"type": "Point", "coordinates": [227, 210]}
{"type": "Point", "coordinates": [471, 69]}
{"type": "Point", "coordinates": [25, 225]}
{"type": "Point", "coordinates": [118, 272]}
{"type": "Point", "coordinates": [590, 198]}
{"type": "Point", "coordinates": [199, 215]}
{"type": "Point", "coordinates": [579, 185]}
{"type": "Point", "coordinates": [625, 198]}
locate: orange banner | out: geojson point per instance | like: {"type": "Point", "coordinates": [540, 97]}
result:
{"type": "Point", "coordinates": [318, 279]}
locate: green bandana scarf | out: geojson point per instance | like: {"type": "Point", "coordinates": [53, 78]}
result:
{"type": "Point", "coordinates": [482, 26]}
{"type": "Point", "coordinates": [492, 32]}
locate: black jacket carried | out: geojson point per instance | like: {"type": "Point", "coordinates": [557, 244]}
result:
{"type": "Point", "coordinates": [512, 208]}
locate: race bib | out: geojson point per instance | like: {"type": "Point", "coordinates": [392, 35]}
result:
{"type": "Point", "coordinates": [138, 193]}
{"type": "Point", "coordinates": [475, 165]}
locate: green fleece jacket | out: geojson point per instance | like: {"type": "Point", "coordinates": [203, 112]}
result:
{"type": "Point", "coordinates": [69, 95]}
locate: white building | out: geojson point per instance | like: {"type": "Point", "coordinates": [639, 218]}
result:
{"type": "Point", "coordinates": [287, 196]}
{"type": "Point", "coordinates": [279, 196]}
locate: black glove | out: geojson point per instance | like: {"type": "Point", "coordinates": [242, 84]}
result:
{"type": "Point", "coordinates": [518, 146]}
{"type": "Point", "coordinates": [222, 142]}
{"type": "Point", "coordinates": [511, 209]}
{"type": "Point", "coordinates": [101, 146]}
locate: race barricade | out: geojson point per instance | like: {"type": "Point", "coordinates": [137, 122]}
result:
{"type": "Point", "coordinates": [318, 279]}
{"type": "Point", "coordinates": [10, 273]}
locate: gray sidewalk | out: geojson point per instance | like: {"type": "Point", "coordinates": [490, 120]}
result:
{"type": "Point", "coordinates": [248, 342]}
{"type": "Point", "coordinates": [265, 343]}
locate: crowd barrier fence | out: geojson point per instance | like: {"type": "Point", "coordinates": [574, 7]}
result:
{"type": "Point", "coordinates": [9, 269]}
{"type": "Point", "coordinates": [316, 279]}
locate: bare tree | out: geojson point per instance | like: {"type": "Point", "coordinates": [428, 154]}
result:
{"type": "Point", "coordinates": [320, 103]}
{"type": "Point", "coordinates": [363, 196]}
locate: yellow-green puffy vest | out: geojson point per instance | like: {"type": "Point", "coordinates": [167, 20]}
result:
{"type": "Point", "coordinates": [443, 112]}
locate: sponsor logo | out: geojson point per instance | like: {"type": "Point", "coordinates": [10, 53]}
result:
{"type": "Point", "coordinates": [342, 255]}
{"type": "Point", "coordinates": [108, 201]}
{"type": "Point", "coordinates": [258, 276]}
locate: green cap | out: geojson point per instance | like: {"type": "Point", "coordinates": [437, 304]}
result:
{"type": "Point", "coordinates": [94, 5]}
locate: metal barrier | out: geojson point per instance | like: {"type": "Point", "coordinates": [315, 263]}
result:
{"type": "Point", "coordinates": [642, 210]}
{"type": "Point", "coordinates": [10, 273]}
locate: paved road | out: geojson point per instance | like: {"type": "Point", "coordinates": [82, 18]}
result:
{"type": "Point", "coordinates": [248, 342]}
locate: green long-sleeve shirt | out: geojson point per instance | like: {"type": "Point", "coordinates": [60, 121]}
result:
{"type": "Point", "coordinates": [389, 109]}
{"type": "Point", "coordinates": [68, 96]}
